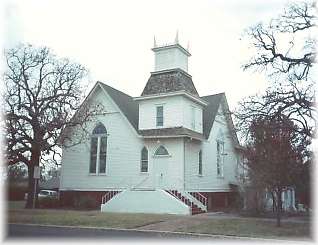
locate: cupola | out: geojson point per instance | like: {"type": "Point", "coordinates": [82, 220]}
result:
{"type": "Point", "coordinates": [170, 56]}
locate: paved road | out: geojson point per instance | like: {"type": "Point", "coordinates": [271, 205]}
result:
{"type": "Point", "coordinates": [18, 231]}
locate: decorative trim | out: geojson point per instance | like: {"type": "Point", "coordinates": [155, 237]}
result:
{"type": "Point", "coordinates": [161, 156]}
{"type": "Point", "coordinates": [96, 189]}
{"type": "Point", "coordinates": [169, 46]}
{"type": "Point", "coordinates": [168, 94]}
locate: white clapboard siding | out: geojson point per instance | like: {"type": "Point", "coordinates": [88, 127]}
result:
{"type": "Point", "coordinates": [177, 113]}
{"type": "Point", "coordinates": [209, 181]}
{"type": "Point", "coordinates": [123, 154]}
{"type": "Point", "coordinates": [174, 160]}
{"type": "Point", "coordinates": [172, 112]}
{"type": "Point", "coordinates": [187, 115]}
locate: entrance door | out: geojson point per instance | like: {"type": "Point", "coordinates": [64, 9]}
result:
{"type": "Point", "coordinates": [161, 172]}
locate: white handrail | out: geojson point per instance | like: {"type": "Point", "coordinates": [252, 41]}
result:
{"type": "Point", "coordinates": [109, 195]}
{"type": "Point", "coordinates": [199, 197]}
{"type": "Point", "coordinates": [173, 193]}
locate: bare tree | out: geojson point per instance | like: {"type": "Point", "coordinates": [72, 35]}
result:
{"type": "Point", "coordinates": [295, 101]}
{"type": "Point", "coordinates": [285, 49]}
{"type": "Point", "coordinates": [285, 45]}
{"type": "Point", "coordinates": [41, 97]}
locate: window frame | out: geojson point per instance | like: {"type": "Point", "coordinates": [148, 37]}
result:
{"type": "Point", "coordinates": [161, 155]}
{"type": "Point", "coordinates": [99, 136]}
{"type": "Point", "coordinates": [159, 117]}
{"type": "Point", "coordinates": [200, 170]}
{"type": "Point", "coordinates": [142, 161]}
{"type": "Point", "coordinates": [220, 158]}
{"type": "Point", "coordinates": [193, 122]}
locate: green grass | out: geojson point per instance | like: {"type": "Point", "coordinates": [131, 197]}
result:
{"type": "Point", "coordinates": [250, 228]}
{"type": "Point", "coordinates": [237, 226]}
{"type": "Point", "coordinates": [82, 218]}
{"type": "Point", "coordinates": [16, 204]}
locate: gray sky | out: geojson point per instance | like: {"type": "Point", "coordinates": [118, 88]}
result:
{"type": "Point", "coordinates": [113, 38]}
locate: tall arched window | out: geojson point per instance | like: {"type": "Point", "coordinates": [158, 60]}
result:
{"type": "Point", "coordinates": [98, 150]}
{"type": "Point", "coordinates": [144, 160]}
{"type": "Point", "coordinates": [220, 154]}
{"type": "Point", "coordinates": [161, 151]}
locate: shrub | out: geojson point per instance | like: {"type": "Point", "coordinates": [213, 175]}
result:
{"type": "Point", "coordinates": [48, 202]}
{"type": "Point", "coordinates": [86, 202]}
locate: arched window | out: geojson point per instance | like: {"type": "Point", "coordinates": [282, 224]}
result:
{"type": "Point", "coordinates": [200, 162]}
{"type": "Point", "coordinates": [144, 160]}
{"type": "Point", "coordinates": [99, 129]}
{"type": "Point", "coordinates": [98, 150]}
{"type": "Point", "coordinates": [161, 151]}
{"type": "Point", "coordinates": [220, 154]}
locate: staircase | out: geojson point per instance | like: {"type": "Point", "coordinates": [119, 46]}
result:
{"type": "Point", "coordinates": [109, 195]}
{"type": "Point", "coordinates": [183, 197]}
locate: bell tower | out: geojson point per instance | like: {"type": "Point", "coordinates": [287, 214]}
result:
{"type": "Point", "coordinates": [170, 56]}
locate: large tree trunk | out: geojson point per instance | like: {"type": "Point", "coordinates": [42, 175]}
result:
{"type": "Point", "coordinates": [274, 207]}
{"type": "Point", "coordinates": [279, 208]}
{"type": "Point", "coordinates": [35, 160]}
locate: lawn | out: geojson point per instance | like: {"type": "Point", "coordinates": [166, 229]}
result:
{"type": "Point", "coordinates": [16, 214]}
{"type": "Point", "coordinates": [16, 204]}
{"type": "Point", "coordinates": [251, 228]}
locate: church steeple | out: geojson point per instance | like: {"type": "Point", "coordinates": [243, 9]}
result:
{"type": "Point", "coordinates": [170, 56]}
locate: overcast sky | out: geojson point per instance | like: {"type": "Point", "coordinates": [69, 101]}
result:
{"type": "Point", "coordinates": [113, 39]}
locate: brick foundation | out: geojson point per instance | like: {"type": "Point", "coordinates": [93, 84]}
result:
{"type": "Point", "coordinates": [71, 198]}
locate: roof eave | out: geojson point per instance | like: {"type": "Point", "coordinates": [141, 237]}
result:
{"type": "Point", "coordinates": [172, 136]}
{"type": "Point", "coordinates": [168, 94]}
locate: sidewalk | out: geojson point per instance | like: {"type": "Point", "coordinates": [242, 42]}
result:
{"type": "Point", "coordinates": [188, 221]}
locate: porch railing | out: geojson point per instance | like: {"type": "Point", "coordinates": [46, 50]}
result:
{"type": "Point", "coordinates": [200, 197]}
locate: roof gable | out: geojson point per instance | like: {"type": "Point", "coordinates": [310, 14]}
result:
{"type": "Point", "coordinates": [126, 104]}
{"type": "Point", "coordinates": [210, 111]}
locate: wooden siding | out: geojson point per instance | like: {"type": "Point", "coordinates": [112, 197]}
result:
{"type": "Point", "coordinates": [177, 113]}
{"type": "Point", "coordinates": [209, 181]}
{"type": "Point", "coordinates": [174, 161]}
{"type": "Point", "coordinates": [123, 154]}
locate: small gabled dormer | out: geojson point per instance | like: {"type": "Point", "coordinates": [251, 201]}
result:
{"type": "Point", "coordinates": [170, 99]}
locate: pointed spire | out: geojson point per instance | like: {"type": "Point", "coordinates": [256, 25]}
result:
{"type": "Point", "coordinates": [177, 38]}
{"type": "Point", "coordinates": [188, 46]}
{"type": "Point", "coordinates": [154, 42]}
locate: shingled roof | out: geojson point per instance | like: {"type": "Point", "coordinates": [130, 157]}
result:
{"type": "Point", "coordinates": [210, 111]}
{"type": "Point", "coordinates": [175, 131]}
{"type": "Point", "coordinates": [125, 103]}
{"type": "Point", "coordinates": [169, 81]}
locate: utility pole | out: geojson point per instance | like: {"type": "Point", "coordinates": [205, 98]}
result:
{"type": "Point", "coordinates": [36, 176]}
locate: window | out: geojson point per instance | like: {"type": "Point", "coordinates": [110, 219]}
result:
{"type": "Point", "coordinates": [219, 158]}
{"type": "Point", "coordinates": [193, 117]}
{"type": "Point", "coordinates": [200, 162]}
{"type": "Point", "coordinates": [144, 160]}
{"type": "Point", "coordinates": [159, 121]}
{"type": "Point", "coordinates": [98, 150]}
{"type": "Point", "coordinates": [161, 151]}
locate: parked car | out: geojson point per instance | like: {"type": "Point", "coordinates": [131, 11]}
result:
{"type": "Point", "coordinates": [45, 193]}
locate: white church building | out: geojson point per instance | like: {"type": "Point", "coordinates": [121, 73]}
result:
{"type": "Point", "coordinates": [169, 150]}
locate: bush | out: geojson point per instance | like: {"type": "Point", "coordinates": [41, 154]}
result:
{"type": "Point", "coordinates": [16, 192]}
{"type": "Point", "coordinates": [48, 202]}
{"type": "Point", "coordinates": [86, 202]}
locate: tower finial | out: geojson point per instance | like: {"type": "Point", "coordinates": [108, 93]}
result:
{"type": "Point", "coordinates": [154, 42]}
{"type": "Point", "coordinates": [177, 38]}
{"type": "Point", "coordinates": [188, 46]}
